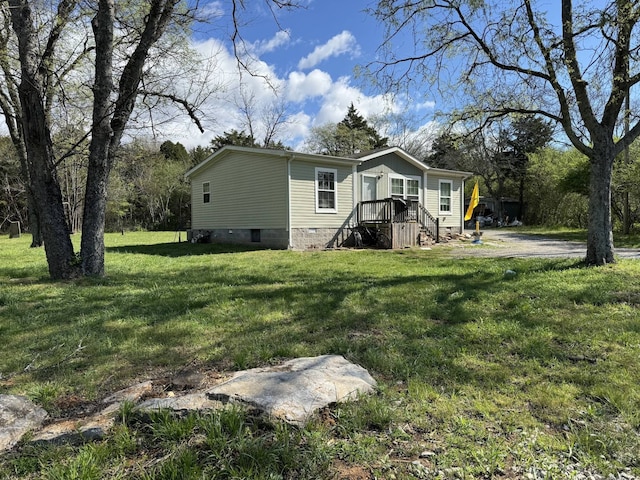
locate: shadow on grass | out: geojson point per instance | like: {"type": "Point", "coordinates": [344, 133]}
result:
{"type": "Point", "coordinates": [453, 323]}
{"type": "Point", "coordinates": [183, 249]}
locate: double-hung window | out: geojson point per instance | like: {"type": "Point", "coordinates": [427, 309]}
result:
{"type": "Point", "coordinates": [206, 192]}
{"type": "Point", "coordinates": [405, 187]}
{"type": "Point", "coordinates": [413, 189]}
{"type": "Point", "coordinates": [397, 187]}
{"type": "Point", "coordinates": [445, 197]}
{"type": "Point", "coordinates": [326, 190]}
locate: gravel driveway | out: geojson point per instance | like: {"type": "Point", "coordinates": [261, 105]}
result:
{"type": "Point", "coordinates": [508, 243]}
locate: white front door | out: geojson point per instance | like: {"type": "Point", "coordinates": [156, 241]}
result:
{"type": "Point", "coordinates": [369, 191]}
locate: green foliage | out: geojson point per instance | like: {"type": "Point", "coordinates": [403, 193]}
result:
{"type": "Point", "coordinates": [626, 187]}
{"type": "Point", "coordinates": [147, 188]}
{"type": "Point", "coordinates": [353, 121]}
{"type": "Point", "coordinates": [239, 139]}
{"type": "Point", "coordinates": [576, 178]}
{"type": "Point", "coordinates": [199, 154]}
{"type": "Point", "coordinates": [446, 152]}
{"type": "Point", "coordinates": [552, 180]}
{"type": "Point", "coordinates": [175, 152]}
{"type": "Point", "coordinates": [558, 187]}
{"type": "Point", "coordinates": [243, 139]}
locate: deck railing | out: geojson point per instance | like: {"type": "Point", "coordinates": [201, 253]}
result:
{"type": "Point", "coordinates": [391, 210]}
{"type": "Point", "coordinates": [429, 223]}
{"type": "Point", "coordinates": [375, 211]}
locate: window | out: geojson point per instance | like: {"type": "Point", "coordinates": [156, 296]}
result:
{"type": "Point", "coordinates": [446, 187]}
{"type": "Point", "coordinates": [326, 197]}
{"type": "Point", "coordinates": [405, 187]}
{"type": "Point", "coordinates": [413, 189]}
{"type": "Point", "coordinates": [206, 192]}
{"type": "Point", "coordinates": [255, 235]}
{"type": "Point", "coordinates": [397, 187]}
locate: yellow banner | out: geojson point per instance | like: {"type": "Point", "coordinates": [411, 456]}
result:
{"type": "Point", "coordinates": [475, 199]}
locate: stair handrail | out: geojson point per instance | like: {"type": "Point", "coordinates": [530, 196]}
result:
{"type": "Point", "coordinates": [430, 223]}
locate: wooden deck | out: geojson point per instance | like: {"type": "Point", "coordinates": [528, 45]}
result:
{"type": "Point", "coordinates": [401, 220]}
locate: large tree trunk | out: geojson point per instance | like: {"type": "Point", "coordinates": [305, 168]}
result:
{"type": "Point", "coordinates": [37, 137]}
{"type": "Point", "coordinates": [44, 185]}
{"type": "Point", "coordinates": [600, 249]}
{"type": "Point", "coordinates": [109, 121]}
{"type": "Point", "coordinates": [92, 245]}
{"type": "Point", "coordinates": [95, 203]}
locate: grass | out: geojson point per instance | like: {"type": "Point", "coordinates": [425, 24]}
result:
{"type": "Point", "coordinates": [621, 240]}
{"type": "Point", "coordinates": [481, 374]}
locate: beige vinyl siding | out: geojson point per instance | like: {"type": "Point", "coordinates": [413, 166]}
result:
{"type": "Point", "coordinates": [454, 219]}
{"type": "Point", "coordinates": [382, 167]}
{"type": "Point", "coordinates": [247, 191]}
{"type": "Point", "coordinates": [303, 197]}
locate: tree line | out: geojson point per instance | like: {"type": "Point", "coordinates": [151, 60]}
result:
{"type": "Point", "coordinates": [147, 189]}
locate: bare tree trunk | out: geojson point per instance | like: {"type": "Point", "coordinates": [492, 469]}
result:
{"type": "Point", "coordinates": [600, 250]}
{"type": "Point", "coordinates": [32, 209]}
{"type": "Point", "coordinates": [34, 220]}
{"type": "Point", "coordinates": [109, 121]}
{"type": "Point", "coordinates": [45, 187]}
{"type": "Point", "coordinates": [92, 246]}
{"type": "Point", "coordinates": [37, 137]}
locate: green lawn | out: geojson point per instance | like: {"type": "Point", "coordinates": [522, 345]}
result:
{"type": "Point", "coordinates": [489, 374]}
{"type": "Point", "coordinates": [631, 240]}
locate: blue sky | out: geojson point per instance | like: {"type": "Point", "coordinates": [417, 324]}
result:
{"type": "Point", "coordinates": [309, 56]}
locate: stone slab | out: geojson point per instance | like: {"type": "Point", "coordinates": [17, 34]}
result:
{"type": "Point", "coordinates": [75, 431]}
{"type": "Point", "coordinates": [296, 389]}
{"type": "Point", "coordinates": [18, 415]}
{"type": "Point", "coordinates": [189, 402]}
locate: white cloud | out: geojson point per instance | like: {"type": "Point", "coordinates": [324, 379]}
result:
{"type": "Point", "coordinates": [426, 105]}
{"type": "Point", "coordinates": [302, 86]}
{"type": "Point", "coordinates": [211, 10]}
{"type": "Point", "coordinates": [336, 101]}
{"type": "Point", "coordinates": [342, 43]}
{"type": "Point", "coordinates": [282, 37]}
{"type": "Point", "coordinates": [312, 98]}
{"type": "Point", "coordinates": [298, 129]}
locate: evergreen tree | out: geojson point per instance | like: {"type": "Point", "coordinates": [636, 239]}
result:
{"type": "Point", "coordinates": [175, 151]}
{"type": "Point", "coordinates": [239, 139]}
{"type": "Point", "coordinates": [351, 135]}
{"type": "Point", "coordinates": [199, 154]}
{"type": "Point", "coordinates": [353, 121]}
{"type": "Point", "coordinates": [446, 152]}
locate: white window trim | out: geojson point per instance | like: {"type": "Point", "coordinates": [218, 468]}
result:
{"type": "Point", "coordinates": [404, 179]}
{"type": "Point", "coordinates": [444, 212]}
{"type": "Point", "coordinates": [203, 192]}
{"type": "Point", "coordinates": [335, 190]}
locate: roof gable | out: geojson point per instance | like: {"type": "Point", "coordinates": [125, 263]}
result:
{"type": "Point", "coordinates": [411, 160]}
{"type": "Point", "coordinates": [284, 154]}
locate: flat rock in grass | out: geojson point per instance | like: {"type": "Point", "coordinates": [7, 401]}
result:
{"type": "Point", "coordinates": [75, 431]}
{"type": "Point", "coordinates": [294, 390]}
{"type": "Point", "coordinates": [132, 394]}
{"type": "Point", "coordinates": [184, 403]}
{"type": "Point", "coordinates": [18, 415]}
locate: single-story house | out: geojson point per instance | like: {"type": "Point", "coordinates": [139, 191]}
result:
{"type": "Point", "coordinates": [285, 199]}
